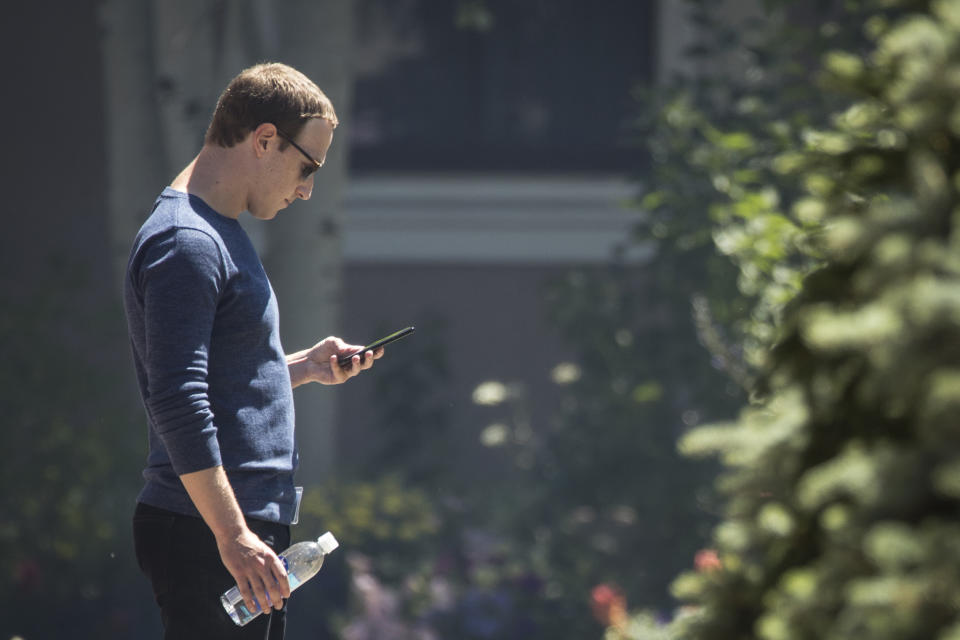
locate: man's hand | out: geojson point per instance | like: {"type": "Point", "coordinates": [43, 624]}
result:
{"type": "Point", "coordinates": [319, 363]}
{"type": "Point", "coordinates": [256, 568]}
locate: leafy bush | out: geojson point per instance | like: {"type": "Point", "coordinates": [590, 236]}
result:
{"type": "Point", "coordinates": [65, 551]}
{"type": "Point", "coordinates": [666, 345]}
{"type": "Point", "coordinates": [841, 482]}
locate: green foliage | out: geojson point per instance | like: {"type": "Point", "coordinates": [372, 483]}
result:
{"type": "Point", "coordinates": [841, 482]}
{"type": "Point", "coordinates": [730, 253]}
{"type": "Point", "coordinates": [381, 518]}
{"type": "Point", "coordinates": [65, 552]}
{"type": "Point", "coordinates": [413, 442]}
{"type": "Point", "coordinates": [646, 626]}
{"type": "Point", "coordinates": [722, 146]}
{"type": "Point", "coordinates": [612, 493]}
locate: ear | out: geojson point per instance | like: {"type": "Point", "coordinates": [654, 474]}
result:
{"type": "Point", "coordinates": [262, 137]}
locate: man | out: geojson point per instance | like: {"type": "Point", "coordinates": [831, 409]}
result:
{"type": "Point", "coordinates": [218, 496]}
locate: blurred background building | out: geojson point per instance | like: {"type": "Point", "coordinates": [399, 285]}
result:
{"type": "Point", "coordinates": [490, 150]}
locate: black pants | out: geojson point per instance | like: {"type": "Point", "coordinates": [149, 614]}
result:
{"type": "Point", "coordinates": [179, 554]}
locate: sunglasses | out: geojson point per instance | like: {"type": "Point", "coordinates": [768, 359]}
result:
{"type": "Point", "coordinates": [308, 170]}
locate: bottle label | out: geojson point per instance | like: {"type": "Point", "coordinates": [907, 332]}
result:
{"type": "Point", "coordinates": [291, 577]}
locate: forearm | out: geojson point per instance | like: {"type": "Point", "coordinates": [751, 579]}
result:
{"type": "Point", "coordinates": [260, 576]}
{"type": "Point", "coordinates": [211, 493]}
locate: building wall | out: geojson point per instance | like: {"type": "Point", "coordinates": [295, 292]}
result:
{"type": "Point", "coordinates": [466, 259]}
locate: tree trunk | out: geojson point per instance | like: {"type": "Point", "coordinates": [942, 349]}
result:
{"type": "Point", "coordinates": [303, 245]}
{"type": "Point", "coordinates": [137, 167]}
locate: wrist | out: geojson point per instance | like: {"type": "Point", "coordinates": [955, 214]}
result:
{"type": "Point", "coordinates": [299, 367]}
{"type": "Point", "coordinates": [229, 532]}
{"type": "Point", "coordinates": [296, 357]}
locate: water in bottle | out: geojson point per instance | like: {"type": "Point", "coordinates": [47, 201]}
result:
{"type": "Point", "coordinates": [302, 561]}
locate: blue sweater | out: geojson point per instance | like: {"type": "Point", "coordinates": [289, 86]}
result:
{"type": "Point", "coordinates": [213, 377]}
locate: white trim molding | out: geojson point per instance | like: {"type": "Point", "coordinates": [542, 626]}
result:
{"type": "Point", "coordinates": [488, 219]}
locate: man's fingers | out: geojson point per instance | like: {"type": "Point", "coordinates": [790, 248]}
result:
{"type": "Point", "coordinates": [338, 372]}
{"type": "Point", "coordinates": [260, 598]}
{"type": "Point", "coordinates": [351, 368]}
{"type": "Point", "coordinates": [368, 359]}
{"type": "Point", "coordinates": [266, 589]}
{"type": "Point", "coordinates": [249, 599]}
{"type": "Point", "coordinates": [280, 577]}
{"type": "Point", "coordinates": [263, 596]}
{"type": "Point", "coordinates": [270, 590]}
{"type": "Point", "coordinates": [274, 582]}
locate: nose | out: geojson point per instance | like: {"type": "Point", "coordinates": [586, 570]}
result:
{"type": "Point", "coordinates": [305, 190]}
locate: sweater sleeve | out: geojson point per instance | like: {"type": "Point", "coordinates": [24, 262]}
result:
{"type": "Point", "coordinates": [180, 279]}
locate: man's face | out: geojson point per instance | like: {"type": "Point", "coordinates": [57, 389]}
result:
{"type": "Point", "coordinates": [288, 174]}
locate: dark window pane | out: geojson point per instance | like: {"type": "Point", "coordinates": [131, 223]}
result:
{"type": "Point", "coordinates": [499, 84]}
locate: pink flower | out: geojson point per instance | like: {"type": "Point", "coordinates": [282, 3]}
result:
{"type": "Point", "coordinates": [609, 605]}
{"type": "Point", "coordinates": [707, 560]}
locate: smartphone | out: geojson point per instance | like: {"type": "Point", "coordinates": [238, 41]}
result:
{"type": "Point", "coordinates": [344, 361]}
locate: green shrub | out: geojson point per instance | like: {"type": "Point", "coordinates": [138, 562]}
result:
{"type": "Point", "coordinates": [841, 481]}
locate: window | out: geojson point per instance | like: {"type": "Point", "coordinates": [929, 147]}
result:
{"type": "Point", "coordinates": [474, 85]}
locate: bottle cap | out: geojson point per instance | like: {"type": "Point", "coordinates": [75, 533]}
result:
{"type": "Point", "coordinates": [327, 542]}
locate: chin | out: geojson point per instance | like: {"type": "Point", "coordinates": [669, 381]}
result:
{"type": "Point", "coordinates": [264, 215]}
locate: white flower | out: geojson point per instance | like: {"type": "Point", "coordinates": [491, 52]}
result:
{"type": "Point", "coordinates": [494, 435]}
{"type": "Point", "coordinates": [565, 373]}
{"type": "Point", "coordinates": [490, 393]}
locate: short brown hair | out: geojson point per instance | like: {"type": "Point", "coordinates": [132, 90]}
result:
{"type": "Point", "coordinates": [269, 92]}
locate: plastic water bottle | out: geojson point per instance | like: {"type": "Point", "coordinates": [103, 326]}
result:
{"type": "Point", "coordinates": [302, 561]}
